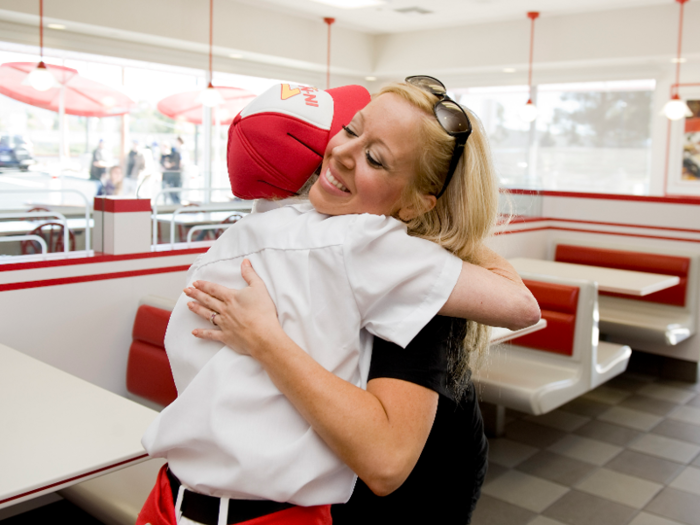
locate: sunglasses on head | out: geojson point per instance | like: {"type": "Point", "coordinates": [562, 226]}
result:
{"type": "Point", "coordinates": [450, 115]}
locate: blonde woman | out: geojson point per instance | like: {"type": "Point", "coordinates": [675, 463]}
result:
{"type": "Point", "coordinates": [380, 432]}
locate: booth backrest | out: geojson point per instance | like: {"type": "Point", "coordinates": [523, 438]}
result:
{"type": "Point", "coordinates": [148, 373]}
{"type": "Point", "coordinates": [635, 261]}
{"type": "Point", "coordinates": [558, 303]}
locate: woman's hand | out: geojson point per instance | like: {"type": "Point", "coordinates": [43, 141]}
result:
{"type": "Point", "coordinates": [246, 318]}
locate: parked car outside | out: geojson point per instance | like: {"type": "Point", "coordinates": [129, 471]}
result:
{"type": "Point", "coordinates": [15, 152]}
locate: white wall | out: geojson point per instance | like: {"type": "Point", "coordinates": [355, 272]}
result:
{"type": "Point", "coordinates": [589, 46]}
{"type": "Point", "coordinates": [177, 32]}
{"type": "Point", "coordinates": [84, 328]}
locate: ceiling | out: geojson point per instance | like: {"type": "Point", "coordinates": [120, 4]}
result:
{"type": "Point", "coordinates": [440, 13]}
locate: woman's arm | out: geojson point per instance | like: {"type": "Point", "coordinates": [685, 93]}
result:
{"type": "Point", "coordinates": [480, 291]}
{"type": "Point", "coordinates": [379, 433]}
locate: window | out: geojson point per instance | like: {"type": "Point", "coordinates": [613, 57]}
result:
{"type": "Point", "coordinates": [31, 160]}
{"type": "Point", "coordinates": [592, 136]}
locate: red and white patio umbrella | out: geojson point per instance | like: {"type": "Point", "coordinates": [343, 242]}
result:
{"type": "Point", "coordinates": [81, 96]}
{"type": "Point", "coordinates": [186, 106]}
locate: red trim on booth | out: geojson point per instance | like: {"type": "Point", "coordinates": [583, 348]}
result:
{"type": "Point", "coordinates": [102, 258]}
{"type": "Point", "coordinates": [63, 482]}
{"type": "Point", "coordinates": [88, 278]}
{"type": "Point", "coordinates": [119, 205]}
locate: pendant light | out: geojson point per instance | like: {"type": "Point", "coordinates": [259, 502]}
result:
{"type": "Point", "coordinates": [41, 78]}
{"type": "Point", "coordinates": [328, 22]}
{"type": "Point", "coordinates": [528, 112]}
{"type": "Point", "coordinates": [676, 108]}
{"type": "Point", "coordinates": [210, 97]}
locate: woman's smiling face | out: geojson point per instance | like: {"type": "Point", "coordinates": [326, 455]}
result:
{"type": "Point", "coordinates": [367, 165]}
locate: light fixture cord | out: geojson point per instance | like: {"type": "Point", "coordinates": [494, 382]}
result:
{"type": "Point", "coordinates": [211, 38]}
{"type": "Point", "coordinates": [680, 41]}
{"type": "Point", "coordinates": [328, 21]}
{"type": "Point", "coordinates": [532, 15]}
{"type": "Point", "coordinates": [41, 29]}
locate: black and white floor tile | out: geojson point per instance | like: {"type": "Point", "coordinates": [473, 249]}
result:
{"type": "Point", "coordinates": [627, 453]}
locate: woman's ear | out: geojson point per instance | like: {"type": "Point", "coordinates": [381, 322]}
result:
{"type": "Point", "coordinates": [411, 211]}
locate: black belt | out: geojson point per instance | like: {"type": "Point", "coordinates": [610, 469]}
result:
{"type": "Point", "coordinates": [205, 509]}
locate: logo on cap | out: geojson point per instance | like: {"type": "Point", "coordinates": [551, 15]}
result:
{"type": "Point", "coordinates": [309, 94]}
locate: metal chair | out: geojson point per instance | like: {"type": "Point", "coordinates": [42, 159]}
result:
{"type": "Point", "coordinates": [52, 233]}
{"type": "Point", "coordinates": [212, 235]}
{"type": "Point", "coordinates": [39, 208]}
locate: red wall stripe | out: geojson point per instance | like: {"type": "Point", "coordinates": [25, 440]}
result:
{"type": "Point", "coordinates": [623, 234]}
{"type": "Point", "coordinates": [606, 196]}
{"type": "Point", "coordinates": [524, 230]}
{"type": "Point", "coordinates": [63, 482]}
{"type": "Point", "coordinates": [97, 259]}
{"type": "Point", "coordinates": [87, 278]}
{"type": "Point", "coordinates": [524, 220]}
{"type": "Point", "coordinates": [623, 225]}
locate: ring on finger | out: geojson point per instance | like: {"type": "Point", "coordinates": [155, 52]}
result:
{"type": "Point", "coordinates": [211, 319]}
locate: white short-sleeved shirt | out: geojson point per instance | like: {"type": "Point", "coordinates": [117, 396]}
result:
{"type": "Point", "coordinates": [336, 281]}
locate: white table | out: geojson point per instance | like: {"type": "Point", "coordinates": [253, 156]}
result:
{"type": "Point", "coordinates": [194, 218]}
{"type": "Point", "coordinates": [501, 335]}
{"type": "Point", "coordinates": [22, 227]}
{"type": "Point", "coordinates": [608, 279]}
{"type": "Point", "coordinates": [57, 430]}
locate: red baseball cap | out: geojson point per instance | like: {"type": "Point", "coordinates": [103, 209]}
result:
{"type": "Point", "coordinates": [278, 140]}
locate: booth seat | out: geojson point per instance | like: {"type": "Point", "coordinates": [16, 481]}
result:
{"type": "Point", "coordinates": [117, 498]}
{"type": "Point", "coordinates": [662, 318]}
{"type": "Point", "coordinates": [541, 371]}
{"type": "Point", "coordinates": [148, 375]}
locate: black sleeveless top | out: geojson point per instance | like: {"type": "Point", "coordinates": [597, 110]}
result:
{"type": "Point", "coordinates": [446, 482]}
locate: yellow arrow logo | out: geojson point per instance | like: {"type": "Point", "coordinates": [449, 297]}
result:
{"type": "Point", "coordinates": [288, 92]}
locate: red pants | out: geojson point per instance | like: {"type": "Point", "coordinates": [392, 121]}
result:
{"type": "Point", "coordinates": [159, 509]}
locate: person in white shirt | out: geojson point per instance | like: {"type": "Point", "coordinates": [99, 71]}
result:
{"type": "Point", "coordinates": [337, 271]}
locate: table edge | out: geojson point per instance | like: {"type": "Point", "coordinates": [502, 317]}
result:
{"type": "Point", "coordinates": [58, 485]}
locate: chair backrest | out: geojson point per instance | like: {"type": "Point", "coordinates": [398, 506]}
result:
{"type": "Point", "coordinates": [557, 298]}
{"type": "Point", "coordinates": [39, 208]}
{"type": "Point", "coordinates": [634, 261]}
{"type": "Point", "coordinates": [558, 304]}
{"type": "Point", "coordinates": [231, 219]}
{"type": "Point", "coordinates": [52, 233]}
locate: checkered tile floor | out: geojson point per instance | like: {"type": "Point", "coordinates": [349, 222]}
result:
{"type": "Point", "coordinates": [627, 453]}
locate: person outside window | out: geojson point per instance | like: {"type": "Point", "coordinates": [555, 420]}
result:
{"type": "Point", "coordinates": [172, 170]}
{"type": "Point", "coordinates": [135, 164]}
{"type": "Point", "coordinates": [112, 182]}
{"type": "Point", "coordinates": [98, 166]}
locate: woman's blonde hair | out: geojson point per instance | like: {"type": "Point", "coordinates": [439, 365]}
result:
{"type": "Point", "coordinates": [463, 217]}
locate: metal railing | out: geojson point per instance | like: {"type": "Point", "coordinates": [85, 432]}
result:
{"type": "Point", "coordinates": [224, 206]}
{"type": "Point", "coordinates": [60, 216]}
{"type": "Point", "coordinates": [204, 227]}
{"type": "Point", "coordinates": [44, 214]}
{"type": "Point", "coordinates": [17, 238]}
